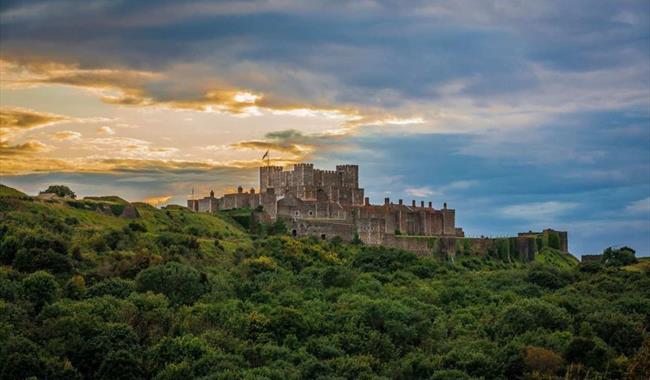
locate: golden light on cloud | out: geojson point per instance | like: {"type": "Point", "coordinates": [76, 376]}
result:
{"type": "Point", "coordinates": [15, 119]}
{"type": "Point", "coordinates": [66, 135]}
{"type": "Point", "coordinates": [158, 99]}
{"type": "Point", "coordinates": [157, 201]}
{"type": "Point", "coordinates": [157, 89]}
{"type": "Point", "coordinates": [26, 148]}
{"type": "Point", "coordinates": [106, 130]}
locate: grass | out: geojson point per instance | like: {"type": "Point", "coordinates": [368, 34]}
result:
{"type": "Point", "coordinates": [6, 191]}
{"type": "Point", "coordinates": [643, 266]}
{"type": "Point", "coordinates": [556, 258]}
{"type": "Point", "coordinates": [30, 211]}
{"type": "Point", "coordinates": [107, 199]}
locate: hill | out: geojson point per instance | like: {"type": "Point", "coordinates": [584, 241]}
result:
{"type": "Point", "coordinates": [6, 191]}
{"type": "Point", "coordinates": [556, 258]}
{"type": "Point", "coordinates": [88, 291]}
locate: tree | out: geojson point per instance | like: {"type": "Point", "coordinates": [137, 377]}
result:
{"type": "Point", "coordinates": [119, 365]}
{"type": "Point", "coordinates": [40, 288]}
{"type": "Point", "coordinates": [60, 190]}
{"type": "Point", "coordinates": [618, 257]}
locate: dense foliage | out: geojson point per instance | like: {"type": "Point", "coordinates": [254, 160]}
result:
{"type": "Point", "coordinates": [59, 190]}
{"type": "Point", "coordinates": [178, 295]}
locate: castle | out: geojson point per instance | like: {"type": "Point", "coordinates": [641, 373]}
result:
{"type": "Point", "coordinates": [329, 203]}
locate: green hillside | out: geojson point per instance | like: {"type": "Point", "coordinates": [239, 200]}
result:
{"type": "Point", "coordinates": [101, 288]}
{"type": "Point", "coordinates": [6, 191]}
{"type": "Point", "coordinates": [556, 258]}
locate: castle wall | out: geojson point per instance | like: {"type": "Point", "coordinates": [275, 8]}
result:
{"type": "Point", "coordinates": [323, 229]}
{"type": "Point", "coordinates": [450, 246]}
{"type": "Point", "coordinates": [330, 203]}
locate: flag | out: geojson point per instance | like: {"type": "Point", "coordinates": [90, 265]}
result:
{"type": "Point", "coordinates": [265, 154]}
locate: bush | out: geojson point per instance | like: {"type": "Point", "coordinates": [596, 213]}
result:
{"type": "Point", "coordinates": [180, 283]}
{"type": "Point", "coordinates": [71, 221]}
{"type": "Point", "coordinates": [548, 277]}
{"type": "Point", "coordinates": [36, 259]}
{"type": "Point", "coordinates": [75, 288]}
{"type": "Point", "coordinates": [137, 227]}
{"type": "Point", "coordinates": [529, 315]}
{"type": "Point", "coordinates": [116, 287]}
{"type": "Point", "coordinates": [40, 288]}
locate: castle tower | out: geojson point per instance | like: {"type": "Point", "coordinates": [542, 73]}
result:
{"type": "Point", "coordinates": [349, 175]}
{"type": "Point", "coordinates": [269, 177]}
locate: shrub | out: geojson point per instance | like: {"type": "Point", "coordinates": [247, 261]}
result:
{"type": "Point", "coordinates": [180, 283]}
{"type": "Point", "coordinates": [548, 277]}
{"type": "Point", "coordinates": [531, 314]}
{"type": "Point", "coordinates": [40, 288]}
{"type": "Point", "coordinates": [37, 259]}
{"type": "Point", "coordinates": [137, 227]}
{"type": "Point", "coordinates": [71, 221]}
{"type": "Point", "coordinates": [542, 361]}
{"type": "Point", "coordinates": [75, 288]}
{"type": "Point", "coordinates": [116, 287]}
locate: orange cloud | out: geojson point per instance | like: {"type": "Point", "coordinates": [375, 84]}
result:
{"type": "Point", "coordinates": [157, 89]}
{"type": "Point", "coordinates": [13, 119]}
{"type": "Point", "coordinates": [66, 135]}
{"type": "Point", "coordinates": [29, 147]}
{"type": "Point", "coordinates": [157, 201]}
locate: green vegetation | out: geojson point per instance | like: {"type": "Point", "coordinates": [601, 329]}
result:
{"type": "Point", "coordinates": [59, 190]}
{"type": "Point", "coordinates": [6, 191]}
{"type": "Point", "coordinates": [556, 258]}
{"type": "Point", "coordinates": [173, 294]}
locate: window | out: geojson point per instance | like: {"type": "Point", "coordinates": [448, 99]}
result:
{"type": "Point", "coordinates": [311, 213]}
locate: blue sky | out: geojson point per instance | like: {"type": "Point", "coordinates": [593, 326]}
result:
{"type": "Point", "coordinates": [521, 115]}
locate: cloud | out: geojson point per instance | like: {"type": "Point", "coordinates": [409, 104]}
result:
{"type": "Point", "coordinates": [26, 148]}
{"type": "Point", "coordinates": [641, 206]}
{"type": "Point", "coordinates": [66, 135]}
{"type": "Point", "coordinates": [538, 211]}
{"type": "Point", "coordinates": [128, 147]}
{"type": "Point", "coordinates": [158, 200]}
{"type": "Point", "coordinates": [420, 192]}
{"type": "Point", "coordinates": [13, 119]}
{"type": "Point", "coordinates": [106, 130]}
{"type": "Point", "coordinates": [296, 143]}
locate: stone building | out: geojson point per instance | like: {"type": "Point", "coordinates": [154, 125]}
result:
{"type": "Point", "coordinates": [328, 203]}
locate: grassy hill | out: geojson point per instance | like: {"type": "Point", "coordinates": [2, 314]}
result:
{"type": "Point", "coordinates": [556, 258]}
{"type": "Point", "coordinates": [6, 191]}
{"type": "Point", "coordinates": [643, 266]}
{"type": "Point", "coordinates": [90, 291]}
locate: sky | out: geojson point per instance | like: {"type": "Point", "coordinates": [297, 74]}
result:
{"type": "Point", "coordinates": [521, 115]}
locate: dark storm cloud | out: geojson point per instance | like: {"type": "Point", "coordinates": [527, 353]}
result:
{"type": "Point", "coordinates": [408, 49]}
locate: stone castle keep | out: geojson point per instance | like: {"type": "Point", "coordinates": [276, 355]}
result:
{"type": "Point", "coordinates": [328, 203]}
